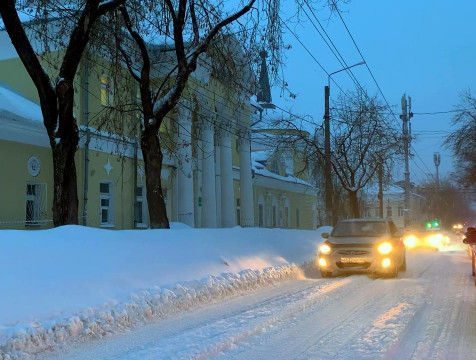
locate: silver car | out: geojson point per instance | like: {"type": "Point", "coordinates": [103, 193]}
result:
{"type": "Point", "coordinates": [363, 245]}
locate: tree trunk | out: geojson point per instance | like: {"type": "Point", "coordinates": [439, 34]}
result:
{"type": "Point", "coordinates": [64, 143]}
{"type": "Point", "coordinates": [152, 153]}
{"type": "Point", "coordinates": [354, 204]}
{"type": "Point", "coordinates": [65, 199]}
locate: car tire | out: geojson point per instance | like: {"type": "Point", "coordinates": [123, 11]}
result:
{"type": "Point", "coordinates": [394, 273]}
{"type": "Point", "coordinates": [325, 274]}
{"type": "Point", "coordinates": [403, 267]}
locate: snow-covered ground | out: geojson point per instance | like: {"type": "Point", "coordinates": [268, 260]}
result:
{"type": "Point", "coordinates": [428, 312]}
{"type": "Point", "coordinates": [73, 284]}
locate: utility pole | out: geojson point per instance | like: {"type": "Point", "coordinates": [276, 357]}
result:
{"type": "Point", "coordinates": [380, 188]}
{"type": "Point", "coordinates": [406, 116]}
{"type": "Point", "coordinates": [327, 159]}
{"type": "Point", "coordinates": [436, 160]}
{"type": "Point", "coordinates": [327, 147]}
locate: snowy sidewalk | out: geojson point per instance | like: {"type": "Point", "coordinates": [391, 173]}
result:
{"type": "Point", "coordinates": [74, 283]}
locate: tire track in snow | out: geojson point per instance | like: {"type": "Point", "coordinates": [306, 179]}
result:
{"type": "Point", "coordinates": [290, 311]}
{"type": "Point", "coordinates": [441, 339]}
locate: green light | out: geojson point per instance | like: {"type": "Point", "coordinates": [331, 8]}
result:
{"type": "Point", "coordinates": [435, 223]}
{"type": "Point", "coordinates": [428, 225]}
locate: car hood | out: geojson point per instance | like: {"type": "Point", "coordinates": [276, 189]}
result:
{"type": "Point", "coordinates": [361, 240]}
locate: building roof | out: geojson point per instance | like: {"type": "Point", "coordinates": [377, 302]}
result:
{"type": "Point", "coordinates": [15, 105]}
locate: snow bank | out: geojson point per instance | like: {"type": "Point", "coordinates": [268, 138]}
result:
{"type": "Point", "coordinates": [75, 283]}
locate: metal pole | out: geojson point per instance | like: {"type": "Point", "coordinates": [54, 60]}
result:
{"type": "Point", "coordinates": [436, 160]}
{"type": "Point", "coordinates": [406, 141]}
{"type": "Point", "coordinates": [327, 159]}
{"type": "Point", "coordinates": [327, 148]}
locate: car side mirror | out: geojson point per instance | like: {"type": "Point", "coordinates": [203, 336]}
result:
{"type": "Point", "coordinates": [325, 235]}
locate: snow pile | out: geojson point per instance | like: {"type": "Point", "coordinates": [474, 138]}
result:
{"type": "Point", "coordinates": [75, 283]}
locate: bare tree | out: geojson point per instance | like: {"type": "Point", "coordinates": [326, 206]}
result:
{"type": "Point", "coordinates": [361, 139]}
{"type": "Point", "coordinates": [463, 140]}
{"type": "Point", "coordinates": [446, 202]}
{"type": "Point", "coordinates": [56, 97]}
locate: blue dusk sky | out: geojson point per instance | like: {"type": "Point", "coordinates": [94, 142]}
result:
{"type": "Point", "coordinates": [425, 49]}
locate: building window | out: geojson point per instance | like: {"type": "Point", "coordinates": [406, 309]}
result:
{"type": "Point", "coordinates": [274, 165]}
{"type": "Point", "coordinates": [106, 212]}
{"type": "Point", "coordinates": [367, 212]}
{"type": "Point", "coordinates": [286, 217]}
{"type": "Point", "coordinates": [389, 211]}
{"type": "Point", "coordinates": [260, 215]}
{"type": "Point", "coordinates": [140, 211]}
{"type": "Point", "coordinates": [35, 203]}
{"type": "Point", "coordinates": [274, 216]}
{"type": "Point", "coordinates": [107, 91]}
{"type": "Point", "coordinates": [400, 211]}
{"type": "Point", "coordinates": [238, 212]}
{"type": "Point", "coordinates": [297, 218]}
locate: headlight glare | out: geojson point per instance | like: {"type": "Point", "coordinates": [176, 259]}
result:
{"type": "Point", "coordinates": [410, 241]}
{"type": "Point", "coordinates": [325, 249]}
{"type": "Point", "coordinates": [385, 248]}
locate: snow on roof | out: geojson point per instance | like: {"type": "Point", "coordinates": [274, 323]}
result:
{"type": "Point", "coordinates": [269, 116]}
{"type": "Point", "coordinates": [14, 103]}
{"type": "Point", "coordinates": [260, 169]}
{"type": "Point", "coordinates": [387, 190]}
{"type": "Point", "coordinates": [261, 156]}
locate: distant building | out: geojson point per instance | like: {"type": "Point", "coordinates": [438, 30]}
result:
{"type": "Point", "coordinates": [394, 205]}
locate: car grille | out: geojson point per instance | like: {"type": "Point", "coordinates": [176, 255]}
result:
{"type": "Point", "coordinates": [353, 252]}
{"type": "Point", "coordinates": [361, 266]}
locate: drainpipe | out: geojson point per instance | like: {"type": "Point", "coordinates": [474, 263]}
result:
{"type": "Point", "coordinates": [135, 166]}
{"type": "Point", "coordinates": [86, 144]}
{"type": "Point", "coordinates": [134, 177]}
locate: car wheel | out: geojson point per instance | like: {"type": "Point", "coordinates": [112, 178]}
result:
{"type": "Point", "coordinates": [403, 267]}
{"type": "Point", "coordinates": [326, 274]}
{"type": "Point", "coordinates": [394, 273]}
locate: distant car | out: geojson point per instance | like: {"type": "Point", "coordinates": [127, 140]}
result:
{"type": "Point", "coordinates": [426, 239]}
{"type": "Point", "coordinates": [363, 245]}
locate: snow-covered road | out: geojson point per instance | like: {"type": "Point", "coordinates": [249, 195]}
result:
{"type": "Point", "coordinates": [429, 312]}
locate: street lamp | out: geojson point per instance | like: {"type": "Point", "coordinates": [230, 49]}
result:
{"type": "Point", "coordinates": [327, 147]}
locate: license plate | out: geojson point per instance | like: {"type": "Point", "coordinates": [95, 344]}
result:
{"type": "Point", "coordinates": [354, 260]}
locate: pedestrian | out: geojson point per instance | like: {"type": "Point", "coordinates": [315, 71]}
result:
{"type": "Point", "coordinates": [470, 240]}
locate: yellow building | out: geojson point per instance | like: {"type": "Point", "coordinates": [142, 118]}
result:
{"type": "Point", "coordinates": [209, 176]}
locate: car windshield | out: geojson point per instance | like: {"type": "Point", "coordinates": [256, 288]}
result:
{"type": "Point", "coordinates": [360, 229]}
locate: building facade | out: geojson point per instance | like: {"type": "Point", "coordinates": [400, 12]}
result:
{"type": "Point", "coordinates": [209, 178]}
{"type": "Point", "coordinates": [394, 206]}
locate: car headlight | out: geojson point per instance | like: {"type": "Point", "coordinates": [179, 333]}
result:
{"type": "Point", "coordinates": [325, 249]}
{"type": "Point", "coordinates": [435, 240]}
{"type": "Point", "coordinates": [384, 248]}
{"type": "Point", "coordinates": [410, 241]}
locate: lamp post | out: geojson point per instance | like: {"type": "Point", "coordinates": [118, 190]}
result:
{"type": "Point", "coordinates": [327, 147]}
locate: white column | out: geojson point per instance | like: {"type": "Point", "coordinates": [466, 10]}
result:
{"type": "Point", "coordinates": [198, 180]}
{"type": "Point", "coordinates": [226, 167]}
{"type": "Point", "coordinates": [218, 181]}
{"type": "Point", "coordinates": [246, 186]}
{"type": "Point", "coordinates": [209, 210]}
{"type": "Point", "coordinates": [184, 166]}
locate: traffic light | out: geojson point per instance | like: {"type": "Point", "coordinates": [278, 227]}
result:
{"type": "Point", "coordinates": [436, 223]}
{"type": "Point", "coordinates": [428, 225]}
